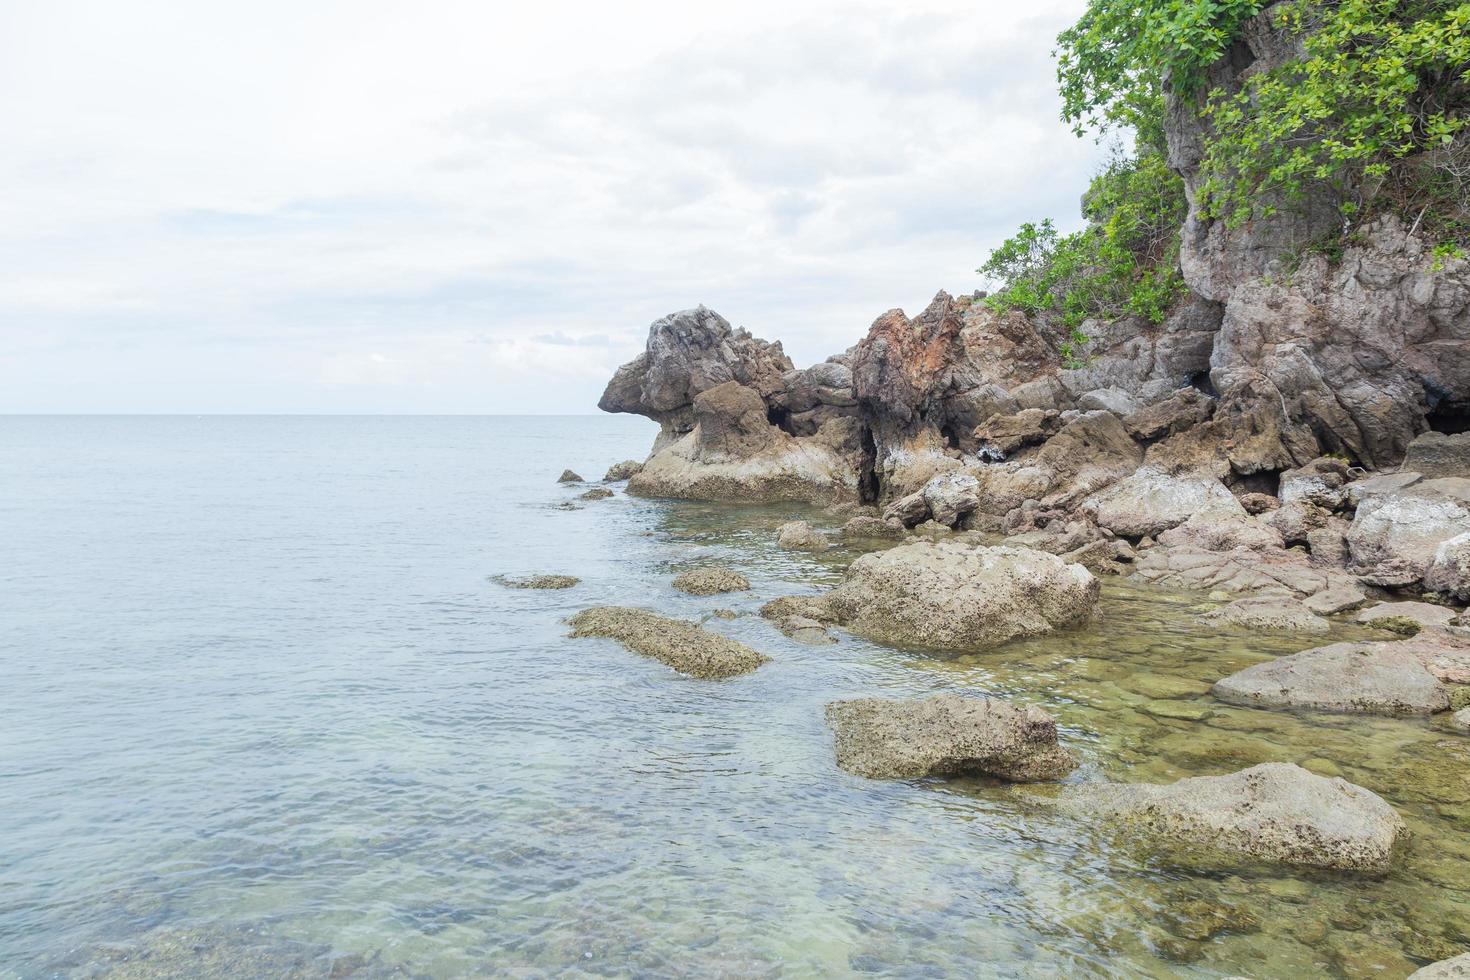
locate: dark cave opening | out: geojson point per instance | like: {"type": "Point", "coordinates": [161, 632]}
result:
{"type": "Point", "coordinates": [779, 417]}
{"type": "Point", "coordinates": [1449, 417]}
{"type": "Point", "coordinates": [951, 435]}
{"type": "Point", "coordinates": [869, 487]}
{"type": "Point", "coordinates": [1200, 381]}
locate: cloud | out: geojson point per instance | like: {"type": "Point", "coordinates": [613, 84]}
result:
{"type": "Point", "coordinates": [359, 206]}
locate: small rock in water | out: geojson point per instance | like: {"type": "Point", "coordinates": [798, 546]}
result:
{"type": "Point", "coordinates": [1373, 678]}
{"type": "Point", "coordinates": [627, 469]}
{"type": "Point", "coordinates": [567, 476]}
{"type": "Point", "coordinates": [947, 735]}
{"type": "Point", "coordinates": [1406, 617]}
{"type": "Point", "coordinates": [538, 581]}
{"type": "Point", "coordinates": [710, 581]}
{"type": "Point", "coordinates": [1274, 613]}
{"type": "Point", "coordinates": [800, 536]}
{"type": "Point", "coordinates": [680, 645]}
{"type": "Point", "coordinates": [597, 493]}
{"type": "Point", "coordinates": [805, 630]}
{"type": "Point", "coordinates": [872, 527]}
{"type": "Point", "coordinates": [1276, 811]}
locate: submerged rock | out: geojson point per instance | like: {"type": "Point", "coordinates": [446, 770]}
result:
{"type": "Point", "coordinates": [710, 581]}
{"type": "Point", "coordinates": [947, 735]}
{"type": "Point", "coordinates": [1374, 678]}
{"type": "Point", "coordinates": [803, 629]}
{"type": "Point", "coordinates": [800, 536]}
{"type": "Point", "coordinates": [567, 476]}
{"type": "Point", "coordinates": [627, 469]}
{"type": "Point", "coordinates": [683, 646]}
{"type": "Point", "coordinates": [1275, 811]}
{"type": "Point", "coordinates": [957, 597]}
{"type": "Point", "coordinates": [538, 581]}
{"type": "Point", "coordinates": [1275, 613]}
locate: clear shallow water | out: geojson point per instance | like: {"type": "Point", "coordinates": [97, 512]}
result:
{"type": "Point", "coordinates": [264, 713]}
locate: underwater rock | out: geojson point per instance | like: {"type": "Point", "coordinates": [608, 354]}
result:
{"type": "Point", "coordinates": [803, 629]}
{"type": "Point", "coordinates": [567, 476]}
{"type": "Point", "coordinates": [538, 581]}
{"type": "Point", "coordinates": [1275, 613]}
{"type": "Point", "coordinates": [627, 469]}
{"type": "Point", "coordinates": [957, 597]}
{"type": "Point", "coordinates": [1275, 811]}
{"type": "Point", "coordinates": [1373, 678]}
{"type": "Point", "coordinates": [683, 646]}
{"type": "Point", "coordinates": [800, 536]}
{"type": "Point", "coordinates": [947, 735]}
{"type": "Point", "coordinates": [710, 581]}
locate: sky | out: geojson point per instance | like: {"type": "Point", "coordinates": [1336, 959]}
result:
{"type": "Point", "coordinates": [479, 207]}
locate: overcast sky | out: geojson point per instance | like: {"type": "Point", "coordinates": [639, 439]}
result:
{"type": "Point", "coordinates": [479, 207]}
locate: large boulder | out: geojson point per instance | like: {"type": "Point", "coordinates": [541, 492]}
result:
{"type": "Point", "coordinates": [951, 496]}
{"type": "Point", "coordinates": [1449, 572]}
{"type": "Point", "coordinates": [1373, 678]}
{"type": "Point", "coordinates": [1151, 500]}
{"type": "Point", "coordinates": [947, 735]}
{"type": "Point", "coordinates": [1274, 811]}
{"type": "Point", "coordinates": [957, 597]}
{"type": "Point", "coordinates": [683, 646]}
{"type": "Point", "coordinates": [1405, 529]}
{"type": "Point", "coordinates": [1435, 454]}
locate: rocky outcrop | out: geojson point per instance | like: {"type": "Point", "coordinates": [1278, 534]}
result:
{"type": "Point", "coordinates": [710, 581]}
{"type": "Point", "coordinates": [956, 597]}
{"type": "Point", "coordinates": [947, 735]}
{"type": "Point", "coordinates": [1374, 678]}
{"type": "Point", "coordinates": [683, 646]}
{"type": "Point", "coordinates": [1274, 811]}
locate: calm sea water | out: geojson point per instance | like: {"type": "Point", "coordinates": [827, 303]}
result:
{"type": "Point", "coordinates": [264, 712]}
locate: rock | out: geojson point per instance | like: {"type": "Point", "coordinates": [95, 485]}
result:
{"type": "Point", "coordinates": [1338, 598]}
{"type": "Point", "coordinates": [1259, 503]}
{"type": "Point", "coordinates": [622, 471]}
{"type": "Point", "coordinates": [805, 630]}
{"type": "Point", "coordinates": [710, 581]}
{"type": "Point", "coordinates": [947, 735]}
{"type": "Point", "coordinates": [957, 597]}
{"type": "Point", "coordinates": [596, 493]}
{"type": "Point", "coordinates": [1004, 434]}
{"type": "Point", "coordinates": [538, 581]}
{"type": "Point", "coordinates": [1108, 400]}
{"type": "Point", "coordinates": [1295, 521]}
{"type": "Point", "coordinates": [1373, 678]}
{"type": "Point", "coordinates": [1178, 413]}
{"type": "Point", "coordinates": [1460, 721]}
{"type": "Point", "coordinates": [567, 476]}
{"type": "Point", "coordinates": [951, 496]}
{"type": "Point", "coordinates": [1449, 572]}
{"type": "Point", "coordinates": [1408, 527]}
{"type": "Point", "coordinates": [1328, 546]}
{"type": "Point", "coordinates": [1238, 570]}
{"type": "Point", "coordinates": [1421, 614]}
{"type": "Point", "coordinates": [1273, 811]}
{"type": "Point", "coordinates": [860, 528]}
{"type": "Point", "coordinates": [1319, 483]}
{"type": "Point", "coordinates": [1273, 613]}
{"type": "Point", "coordinates": [1377, 485]}
{"type": "Point", "coordinates": [1151, 501]}
{"type": "Point", "coordinates": [683, 646]}
{"type": "Point", "coordinates": [908, 511]}
{"type": "Point", "coordinates": [1435, 454]}
{"type": "Point", "coordinates": [1451, 969]}
{"type": "Point", "coordinates": [800, 536]}
{"type": "Point", "coordinates": [1443, 652]}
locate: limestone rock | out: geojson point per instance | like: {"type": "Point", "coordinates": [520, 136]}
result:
{"type": "Point", "coordinates": [683, 646]}
{"type": "Point", "coordinates": [710, 581]}
{"type": "Point", "coordinates": [800, 536]}
{"type": "Point", "coordinates": [1373, 678]}
{"type": "Point", "coordinates": [622, 471]}
{"type": "Point", "coordinates": [957, 597]}
{"type": "Point", "coordinates": [1435, 454]}
{"type": "Point", "coordinates": [1273, 613]}
{"type": "Point", "coordinates": [947, 735]}
{"type": "Point", "coordinates": [1151, 501]}
{"type": "Point", "coordinates": [1273, 811]}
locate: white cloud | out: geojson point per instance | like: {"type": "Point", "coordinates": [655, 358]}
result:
{"type": "Point", "coordinates": [460, 206]}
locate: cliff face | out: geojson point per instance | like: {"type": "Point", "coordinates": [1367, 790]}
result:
{"type": "Point", "coordinates": [1275, 359]}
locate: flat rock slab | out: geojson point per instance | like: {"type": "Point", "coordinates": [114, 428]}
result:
{"type": "Point", "coordinates": [1276, 614]}
{"type": "Point", "coordinates": [1372, 678]}
{"type": "Point", "coordinates": [1421, 613]}
{"type": "Point", "coordinates": [710, 581]}
{"type": "Point", "coordinates": [956, 597]}
{"type": "Point", "coordinates": [683, 646]}
{"type": "Point", "coordinates": [1273, 811]}
{"type": "Point", "coordinates": [947, 735]}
